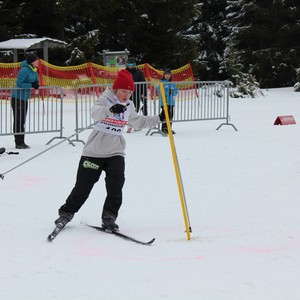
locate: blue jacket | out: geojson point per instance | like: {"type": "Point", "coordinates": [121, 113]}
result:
{"type": "Point", "coordinates": [170, 92]}
{"type": "Point", "coordinates": [27, 75]}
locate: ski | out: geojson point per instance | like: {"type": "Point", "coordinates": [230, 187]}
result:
{"type": "Point", "coordinates": [55, 232]}
{"type": "Point", "coordinates": [122, 235]}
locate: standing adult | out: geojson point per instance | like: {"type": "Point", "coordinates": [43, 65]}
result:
{"type": "Point", "coordinates": [27, 79]}
{"type": "Point", "coordinates": [140, 93]}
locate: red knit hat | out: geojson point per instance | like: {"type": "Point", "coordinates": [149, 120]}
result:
{"type": "Point", "coordinates": [124, 81]}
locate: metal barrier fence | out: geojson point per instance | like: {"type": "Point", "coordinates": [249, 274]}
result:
{"type": "Point", "coordinates": [196, 101]}
{"type": "Point", "coordinates": [45, 111]}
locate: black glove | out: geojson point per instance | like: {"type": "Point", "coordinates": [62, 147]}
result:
{"type": "Point", "coordinates": [118, 108]}
{"type": "Point", "coordinates": [35, 85]}
{"type": "Point", "coordinates": [162, 116]}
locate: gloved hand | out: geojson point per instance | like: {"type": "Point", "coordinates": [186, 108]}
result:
{"type": "Point", "coordinates": [162, 116]}
{"type": "Point", "coordinates": [118, 108]}
{"type": "Point", "coordinates": [35, 85]}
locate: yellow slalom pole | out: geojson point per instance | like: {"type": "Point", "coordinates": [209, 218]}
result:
{"type": "Point", "coordinates": [176, 165]}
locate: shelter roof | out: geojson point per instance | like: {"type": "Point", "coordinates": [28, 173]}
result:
{"type": "Point", "coordinates": [31, 43]}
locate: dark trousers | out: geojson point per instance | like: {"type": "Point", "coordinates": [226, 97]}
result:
{"type": "Point", "coordinates": [170, 112]}
{"type": "Point", "coordinates": [19, 108]}
{"type": "Point", "coordinates": [89, 171]}
{"type": "Point", "coordinates": [144, 106]}
{"type": "Point", "coordinates": [137, 97]}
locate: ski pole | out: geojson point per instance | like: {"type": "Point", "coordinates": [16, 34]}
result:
{"type": "Point", "coordinates": [33, 157]}
{"type": "Point", "coordinates": [176, 166]}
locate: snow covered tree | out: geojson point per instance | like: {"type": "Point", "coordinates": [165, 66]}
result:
{"type": "Point", "coordinates": [84, 49]}
{"type": "Point", "coordinates": [77, 57]}
{"type": "Point", "coordinates": [208, 30]}
{"type": "Point", "coordinates": [153, 30]}
{"type": "Point", "coordinates": [43, 18]}
{"type": "Point", "coordinates": [165, 40]}
{"type": "Point", "coordinates": [10, 18]}
{"type": "Point", "coordinates": [244, 84]}
{"type": "Point", "coordinates": [297, 85]}
{"type": "Point", "coordinates": [264, 39]}
{"type": "Point", "coordinates": [223, 39]}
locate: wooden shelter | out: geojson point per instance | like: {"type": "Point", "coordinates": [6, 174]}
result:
{"type": "Point", "coordinates": [29, 44]}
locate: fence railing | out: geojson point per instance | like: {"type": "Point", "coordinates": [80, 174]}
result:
{"type": "Point", "coordinates": [196, 101]}
{"type": "Point", "coordinates": [45, 111]}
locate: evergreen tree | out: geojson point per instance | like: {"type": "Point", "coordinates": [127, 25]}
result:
{"type": "Point", "coordinates": [43, 18]}
{"type": "Point", "coordinates": [237, 40]}
{"type": "Point", "coordinates": [165, 38]}
{"type": "Point", "coordinates": [152, 30]}
{"type": "Point", "coordinates": [209, 32]}
{"type": "Point", "coordinates": [263, 36]}
{"type": "Point", "coordinates": [10, 19]}
{"type": "Point", "coordinates": [94, 26]}
{"type": "Point", "coordinates": [297, 84]}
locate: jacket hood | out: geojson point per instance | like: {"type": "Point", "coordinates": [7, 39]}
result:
{"type": "Point", "coordinates": [109, 94]}
{"type": "Point", "coordinates": [24, 63]}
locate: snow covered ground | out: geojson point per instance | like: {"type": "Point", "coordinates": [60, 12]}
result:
{"type": "Point", "coordinates": [242, 190]}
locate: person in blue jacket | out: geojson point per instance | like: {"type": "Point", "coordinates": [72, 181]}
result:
{"type": "Point", "coordinates": [170, 92]}
{"type": "Point", "coordinates": [27, 79]}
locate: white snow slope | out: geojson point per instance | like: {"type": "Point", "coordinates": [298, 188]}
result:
{"type": "Point", "coordinates": [243, 198]}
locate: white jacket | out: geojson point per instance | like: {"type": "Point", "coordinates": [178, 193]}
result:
{"type": "Point", "coordinates": [106, 139]}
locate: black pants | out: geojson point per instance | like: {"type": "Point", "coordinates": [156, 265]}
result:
{"type": "Point", "coordinates": [89, 171]}
{"type": "Point", "coordinates": [170, 112]}
{"type": "Point", "coordinates": [19, 108]}
{"type": "Point", "coordinates": [145, 106]}
{"type": "Point", "coordinates": [137, 99]}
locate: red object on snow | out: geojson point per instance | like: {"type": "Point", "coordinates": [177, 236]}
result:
{"type": "Point", "coordinates": [284, 120]}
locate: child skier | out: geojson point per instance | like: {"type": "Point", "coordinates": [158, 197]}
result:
{"type": "Point", "coordinates": [105, 151]}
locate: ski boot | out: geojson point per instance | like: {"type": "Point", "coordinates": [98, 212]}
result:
{"type": "Point", "coordinates": [109, 222]}
{"type": "Point", "coordinates": [63, 219]}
